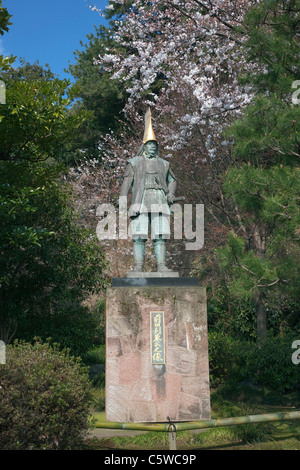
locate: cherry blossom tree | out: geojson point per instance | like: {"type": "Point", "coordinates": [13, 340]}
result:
{"type": "Point", "coordinates": [178, 48]}
{"type": "Point", "coordinates": [183, 59]}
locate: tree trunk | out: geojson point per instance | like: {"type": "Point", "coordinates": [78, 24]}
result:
{"type": "Point", "coordinates": [7, 330]}
{"type": "Point", "coordinates": [261, 317]}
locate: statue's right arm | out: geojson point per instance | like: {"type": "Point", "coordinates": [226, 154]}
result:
{"type": "Point", "coordinates": [128, 179]}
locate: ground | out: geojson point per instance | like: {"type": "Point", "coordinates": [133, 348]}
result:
{"type": "Point", "coordinates": [283, 435]}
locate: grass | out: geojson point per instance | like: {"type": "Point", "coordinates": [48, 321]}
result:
{"type": "Point", "coordinates": [226, 401]}
{"type": "Point", "coordinates": [280, 436]}
{"type": "Point", "coordinates": [98, 399]}
{"type": "Point", "coordinates": [95, 356]}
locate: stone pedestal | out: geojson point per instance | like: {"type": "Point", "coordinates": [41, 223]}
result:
{"type": "Point", "coordinates": [139, 275]}
{"type": "Point", "coordinates": [156, 351]}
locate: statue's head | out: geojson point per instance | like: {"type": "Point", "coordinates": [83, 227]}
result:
{"type": "Point", "coordinates": [151, 148]}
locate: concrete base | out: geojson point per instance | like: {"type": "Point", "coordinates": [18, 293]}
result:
{"type": "Point", "coordinates": [138, 390]}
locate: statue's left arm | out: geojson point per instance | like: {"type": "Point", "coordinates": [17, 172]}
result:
{"type": "Point", "coordinates": [172, 185]}
{"type": "Point", "coordinates": [128, 179]}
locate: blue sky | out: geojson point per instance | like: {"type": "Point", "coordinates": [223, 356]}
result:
{"type": "Point", "coordinates": [49, 31]}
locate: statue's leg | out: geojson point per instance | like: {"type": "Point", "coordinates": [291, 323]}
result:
{"type": "Point", "coordinates": [160, 227]}
{"type": "Point", "coordinates": [160, 254]}
{"type": "Point", "coordinates": [138, 253]}
{"type": "Point", "coordinates": [139, 230]}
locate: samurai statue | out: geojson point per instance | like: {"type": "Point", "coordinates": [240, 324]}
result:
{"type": "Point", "coordinates": [153, 191]}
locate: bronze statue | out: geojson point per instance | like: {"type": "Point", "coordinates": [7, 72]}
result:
{"type": "Point", "coordinates": [153, 191]}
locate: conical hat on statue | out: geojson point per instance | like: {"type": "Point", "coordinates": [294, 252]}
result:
{"type": "Point", "coordinates": [148, 134]}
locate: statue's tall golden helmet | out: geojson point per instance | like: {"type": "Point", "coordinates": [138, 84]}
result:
{"type": "Point", "coordinates": [149, 133]}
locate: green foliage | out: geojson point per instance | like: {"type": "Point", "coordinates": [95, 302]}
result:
{"type": "Point", "coordinates": [269, 132]}
{"type": "Point", "coordinates": [233, 316]}
{"type": "Point", "coordinates": [268, 364]}
{"type": "Point", "coordinates": [220, 358]}
{"type": "Point", "coordinates": [118, 10]}
{"type": "Point", "coordinates": [29, 72]}
{"type": "Point", "coordinates": [223, 408]}
{"type": "Point", "coordinates": [273, 41]}
{"type": "Point", "coordinates": [4, 19]}
{"type": "Point", "coordinates": [279, 267]}
{"type": "Point", "coordinates": [72, 326]}
{"type": "Point", "coordinates": [228, 358]}
{"type": "Point", "coordinates": [271, 364]}
{"type": "Point", "coordinates": [99, 315]}
{"type": "Point", "coordinates": [48, 263]}
{"type": "Point", "coordinates": [98, 399]}
{"type": "Point", "coordinates": [44, 399]}
{"type": "Point", "coordinates": [268, 193]}
{"type": "Point", "coordinates": [5, 62]}
{"type": "Point", "coordinates": [98, 95]}
{"type": "Point", "coordinates": [35, 123]}
{"type": "Point", "coordinates": [261, 257]}
{"type": "Point", "coordinates": [95, 355]}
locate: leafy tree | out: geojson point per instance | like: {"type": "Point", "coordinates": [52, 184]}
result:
{"type": "Point", "coordinates": [97, 94]}
{"type": "Point", "coordinates": [4, 19]}
{"type": "Point", "coordinates": [36, 122]}
{"type": "Point", "coordinates": [28, 71]}
{"type": "Point", "coordinates": [181, 59]}
{"type": "Point", "coordinates": [48, 263]}
{"type": "Point", "coordinates": [5, 62]}
{"type": "Point", "coordinates": [262, 253]}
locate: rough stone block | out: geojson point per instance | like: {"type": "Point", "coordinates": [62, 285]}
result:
{"type": "Point", "coordinates": [138, 390]}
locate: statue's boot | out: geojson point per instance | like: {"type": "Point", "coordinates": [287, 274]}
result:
{"type": "Point", "coordinates": [160, 255]}
{"type": "Point", "coordinates": [138, 254]}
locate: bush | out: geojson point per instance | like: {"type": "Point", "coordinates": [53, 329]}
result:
{"type": "Point", "coordinates": [228, 358]}
{"type": "Point", "coordinates": [94, 356]}
{"type": "Point", "coordinates": [268, 364]}
{"type": "Point", "coordinates": [271, 364]}
{"type": "Point", "coordinates": [44, 398]}
{"type": "Point", "coordinates": [221, 350]}
{"type": "Point", "coordinates": [74, 328]}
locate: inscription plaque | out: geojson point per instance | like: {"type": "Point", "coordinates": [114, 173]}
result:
{"type": "Point", "coordinates": [157, 329]}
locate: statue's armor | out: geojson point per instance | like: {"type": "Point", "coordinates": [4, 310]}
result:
{"type": "Point", "coordinates": [141, 173]}
{"type": "Point", "coordinates": [153, 191]}
{"type": "Point", "coordinates": [152, 181]}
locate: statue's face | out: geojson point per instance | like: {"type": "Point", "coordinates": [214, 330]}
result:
{"type": "Point", "coordinates": [151, 148]}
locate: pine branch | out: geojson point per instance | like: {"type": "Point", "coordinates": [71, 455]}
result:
{"type": "Point", "coordinates": [268, 285]}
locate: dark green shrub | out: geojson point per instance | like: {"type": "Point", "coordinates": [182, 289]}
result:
{"type": "Point", "coordinates": [228, 358]}
{"type": "Point", "coordinates": [221, 356]}
{"type": "Point", "coordinates": [44, 398]}
{"type": "Point", "coordinates": [271, 364]}
{"type": "Point", "coordinates": [268, 364]}
{"type": "Point", "coordinates": [74, 327]}
{"type": "Point", "coordinates": [94, 356]}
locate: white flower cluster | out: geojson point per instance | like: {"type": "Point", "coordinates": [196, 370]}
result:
{"type": "Point", "coordinates": [193, 49]}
